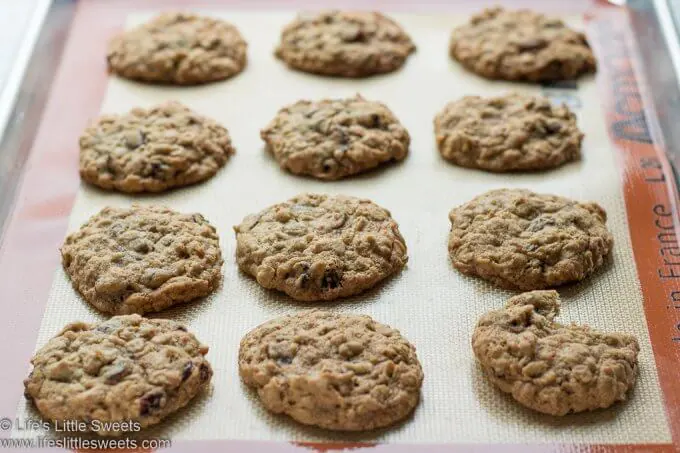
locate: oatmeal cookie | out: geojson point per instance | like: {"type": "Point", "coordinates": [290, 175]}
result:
{"type": "Point", "coordinates": [178, 48]}
{"type": "Point", "coordinates": [549, 367]}
{"type": "Point", "coordinates": [129, 370]}
{"type": "Point", "coordinates": [142, 259]}
{"type": "Point", "coordinates": [344, 43]}
{"type": "Point", "coordinates": [320, 247]}
{"type": "Point", "coordinates": [513, 132]}
{"type": "Point", "coordinates": [339, 372]}
{"type": "Point", "coordinates": [335, 138]}
{"type": "Point", "coordinates": [153, 150]}
{"type": "Point", "coordinates": [518, 239]}
{"type": "Point", "coordinates": [521, 45]}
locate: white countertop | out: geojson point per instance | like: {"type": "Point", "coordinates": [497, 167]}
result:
{"type": "Point", "coordinates": [20, 24]}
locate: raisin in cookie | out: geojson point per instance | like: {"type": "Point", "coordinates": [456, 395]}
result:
{"type": "Point", "coordinates": [344, 43]}
{"type": "Point", "coordinates": [340, 372]}
{"type": "Point", "coordinates": [178, 48]}
{"type": "Point", "coordinates": [513, 132]}
{"type": "Point", "coordinates": [521, 45]}
{"type": "Point", "coordinates": [518, 239]}
{"type": "Point", "coordinates": [142, 259]}
{"type": "Point", "coordinates": [335, 138]}
{"type": "Point", "coordinates": [549, 367]}
{"type": "Point", "coordinates": [320, 247]}
{"type": "Point", "coordinates": [153, 150]}
{"type": "Point", "coordinates": [130, 370]}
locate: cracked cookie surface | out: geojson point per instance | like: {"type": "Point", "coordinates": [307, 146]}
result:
{"type": "Point", "coordinates": [142, 259]}
{"type": "Point", "coordinates": [521, 45]}
{"type": "Point", "coordinates": [336, 371]}
{"type": "Point", "coordinates": [126, 369]}
{"type": "Point", "coordinates": [178, 48]}
{"type": "Point", "coordinates": [549, 367]}
{"type": "Point", "coordinates": [344, 43]}
{"type": "Point", "coordinates": [319, 247]}
{"type": "Point", "coordinates": [513, 132]}
{"type": "Point", "coordinates": [335, 138]}
{"type": "Point", "coordinates": [153, 150]}
{"type": "Point", "coordinates": [518, 239]}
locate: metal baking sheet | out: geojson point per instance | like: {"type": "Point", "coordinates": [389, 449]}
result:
{"type": "Point", "coordinates": [433, 305]}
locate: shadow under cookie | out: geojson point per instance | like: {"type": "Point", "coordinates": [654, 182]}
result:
{"type": "Point", "coordinates": [305, 433]}
{"type": "Point", "coordinates": [502, 407]}
{"type": "Point", "coordinates": [271, 298]}
{"type": "Point", "coordinates": [392, 166]}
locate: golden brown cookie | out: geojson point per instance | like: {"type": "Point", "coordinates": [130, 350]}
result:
{"type": "Point", "coordinates": [521, 45]}
{"type": "Point", "coordinates": [178, 48]}
{"type": "Point", "coordinates": [513, 132]}
{"type": "Point", "coordinates": [550, 367]}
{"type": "Point", "coordinates": [153, 150]}
{"type": "Point", "coordinates": [142, 259]}
{"type": "Point", "coordinates": [344, 43]}
{"type": "Point", "coordinates": [335, 138]}
{"type": "Point", "coordinates": [518, 239]}
{"type": "Point", "coordinates": [339, 372]}
{"type": "Point", "coordinates": [117, 376]}
{"type": "Point", "coordinates": [319, 247]}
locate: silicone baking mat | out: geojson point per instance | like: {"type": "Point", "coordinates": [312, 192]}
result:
{"type": "Point", "coordinates": [434, 306]}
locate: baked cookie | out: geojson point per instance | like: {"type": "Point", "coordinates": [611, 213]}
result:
{"type": "Point", "coordinates": [142, 259]}
{"type": "Point", "coordinates": [130, 370]}
{"type": "Point", "coordinates": [513, 132]}
{"type": "Point", "coordinates": [344, 43]}
{"type": "Point", "coordinates": [518, 239]}
{"type": "Point", "coordinates": [178, 48]}
{"type": "Point", "coordinates": [340, 372]}
{"type": "Point", "coordinates": [335, 138]}
{"type": "Point", "coordinates": [549, 367]}
{"type": "Point", "coordinates": [320, 247]}
{"type": "Point", "coordinates": [153, 150]}
{"type": "Point", "coordinates": [521, 45]}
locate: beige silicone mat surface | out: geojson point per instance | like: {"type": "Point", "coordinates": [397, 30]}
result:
{"type": "Point", "coordinates": [433, 305]}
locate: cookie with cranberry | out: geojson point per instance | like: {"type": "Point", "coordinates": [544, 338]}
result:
{"type": "Point", "coordinates": [550, 367]}
{"type": "Point", "coordinates": [335, 371]}
{"type": "Point", "coordinates": [142, 259]}
{"type": "Point", "coordinates": [344, 44]}
{"type": "Point", "coordinates": [518, 239]}
{"type": "Point", "coordinates": [178, 48]}
{"type": "Point", "coordinates": [508, 133]}
{"type": "Point", "coordinates": [521, 45]}
{"type": "Point", "coordinates": [335, 138]}
{"type": "Point", "coordinates": [317, 247]}
{"type": "Point", "coordinates": [125, 373]}
{"type": "Point", "coordinates": [153, 150]}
